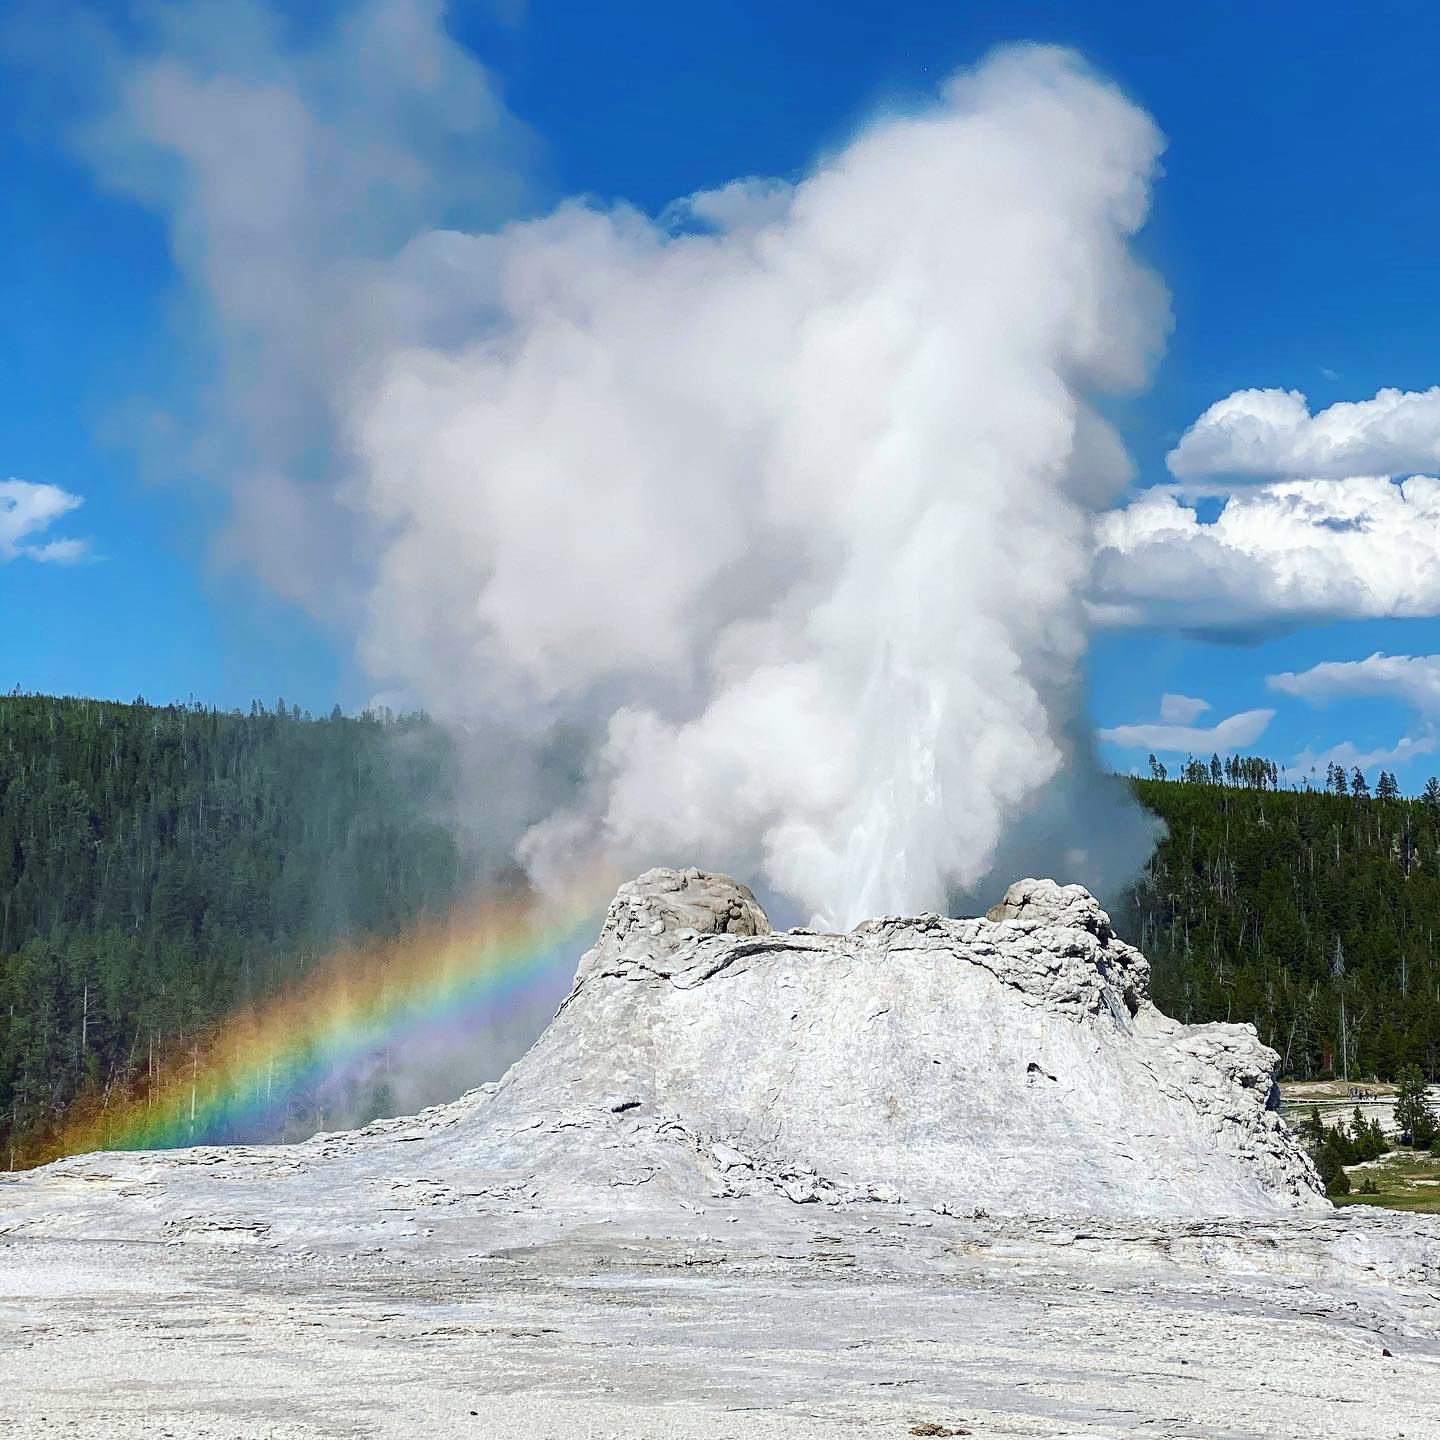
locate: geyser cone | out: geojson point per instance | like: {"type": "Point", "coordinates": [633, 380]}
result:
{"type": "Point", "coordinates": [1013, 1062]}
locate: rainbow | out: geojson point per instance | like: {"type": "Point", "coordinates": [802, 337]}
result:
{"type": "Point", "coordinates": [444, 980]}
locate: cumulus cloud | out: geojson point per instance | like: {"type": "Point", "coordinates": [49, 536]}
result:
{"type": "Point", "coordinates": [1181, 709]}
{"type": "Point", "coordinates": [1235, 732]}
{"type": "Point", "coordinates": [1271, 434]}
{"type": "Point", "coordinates": [1414, 679]}
{"type": "Point", "coordinates": [780, 500]}
{"type": "Point", "coordinates": [1311, 525]}
{"type": "Point", "coordinates": [27, 511]}
{"type": "Point", "coordinates": [1275, 556]}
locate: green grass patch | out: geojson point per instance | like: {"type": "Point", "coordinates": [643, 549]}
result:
{"type": "Point", "coordinates": [1404, 1180]}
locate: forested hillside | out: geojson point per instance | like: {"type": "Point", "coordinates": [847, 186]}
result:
{"type": "Point", "coordinates": [1313, 914]}
{"type": "Point", "coordinates": [161, 865]}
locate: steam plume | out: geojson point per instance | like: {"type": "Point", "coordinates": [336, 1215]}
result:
{"type": "Point", "coordinates": [803, 486]}
{"type": "Point", "coordinates": [783, 499]}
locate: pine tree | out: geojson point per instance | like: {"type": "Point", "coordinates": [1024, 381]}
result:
{"type": "Point", "coordinates": [1377, 1142]}
{"type": "Point", "coordinates": [1337, 973]}
{"type": "Point", "coordinates": [1331, 1165]}
{"type": "Point", "coordinates": [1364, 1138]}
{"type": "Point", "coordinates": [1359, 1136]}
{"type": "Point", "coordinates": [1414, 1118]}
{"type": "Point", "coordinates": [1430, 797]}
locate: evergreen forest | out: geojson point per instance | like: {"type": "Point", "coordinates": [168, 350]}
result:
{"type": "Point", "coordinates": [161, 866]}
{"type": "Point", "coordinates": [1312, 913]}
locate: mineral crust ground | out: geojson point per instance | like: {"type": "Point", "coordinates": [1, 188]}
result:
{"type": "Point", "coordinates": [934, 1177]}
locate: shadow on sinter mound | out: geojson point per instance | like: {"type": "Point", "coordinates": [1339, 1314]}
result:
{"type": "Point", "coordinates": [1012, 1064]}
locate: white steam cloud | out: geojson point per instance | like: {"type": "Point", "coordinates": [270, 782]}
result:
{"type": "Point", "coordinates": [807, 492]}
{"type": "Point", "coordinates": [784, 499]}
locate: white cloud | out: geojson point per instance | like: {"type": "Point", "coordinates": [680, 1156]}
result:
{"type": "Point", "coordinates": [1414, 679]}
{"type": "Point", "coordinates": [28, 510]}
{"type": "Point", "coordinates": [1181, 709]}
{"type": "Point", "coordinates": [1271, 434]}
{"type": "Point", "coordinates": [1340, 539]}
{"type": "Point", "coordinates": [1275, 556]}
{"type": "Point", "coordinates": [1350, 756]}
{"type": "Point", "coordinates": [1233, 733]}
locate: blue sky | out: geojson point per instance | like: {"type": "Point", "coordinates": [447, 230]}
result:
{"type": "Point", "coordinates": [1293, 226]}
